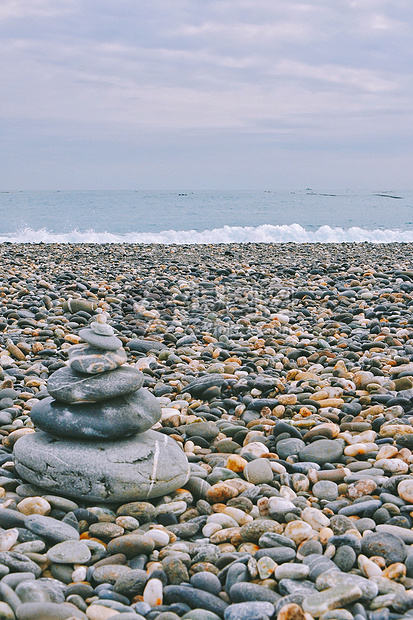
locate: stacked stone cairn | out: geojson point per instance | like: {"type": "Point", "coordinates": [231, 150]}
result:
{"type": "Point", "coordinates": [95, 441]}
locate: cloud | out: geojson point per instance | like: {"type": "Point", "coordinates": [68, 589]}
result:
{"type": "Point", "coordinates": [297, 71]}
{"type": "Point", "coordinates": [17, 9]}
{"type": "Point", "coordinates": [339, 76]}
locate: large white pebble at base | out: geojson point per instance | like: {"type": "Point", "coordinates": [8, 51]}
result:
{"type": "Point", "coordinates": [177, 508]}
{"type": "Point", "coordinates": [160, 537]}
{"type": "Point", "coordinates": [315, 518]}
{"type": "Point", "coordinates": [222, 519]}
{"type": "Point", "coordinates": [368, 567]}
{"type": "Point", "coordinates": [255, 448]}
{"type": "Point", "coordinates": [152, 593]}
{"type": "Point", "coordinates": [6, 612]}
{"type": "Point", "coordinates": [79, 574]}
{"type": "Point", "coordinates": [8, 539]}
{"type": "Point", "coordinates": [392, 466]}
{"type": "Point", "coordinates": [238, 515]}
{"type": "Point", "coordinates": [211, 528]}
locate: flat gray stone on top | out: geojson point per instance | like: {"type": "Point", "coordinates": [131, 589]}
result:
{"type": "Point", "coordinates": [100, 341]}
{"type": "Point", "coordinates": [102, 329]}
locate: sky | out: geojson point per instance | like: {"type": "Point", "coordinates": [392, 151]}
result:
{"type": "Point", "coordinates": [206, 94]}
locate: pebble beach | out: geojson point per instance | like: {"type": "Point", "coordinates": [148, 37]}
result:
{"type": "Point", "coordinates": [283, 372]}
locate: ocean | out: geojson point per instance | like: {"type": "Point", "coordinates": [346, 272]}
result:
{"type": "Point", "coordinates": [196, 217]}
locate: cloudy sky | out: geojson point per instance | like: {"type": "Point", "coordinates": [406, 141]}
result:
{"type": "Point", "coordinates": [202, 94]}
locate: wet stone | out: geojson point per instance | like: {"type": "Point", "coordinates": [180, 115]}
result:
{"type": "Point", "coordinates": [242, 592]}
{"type": "Point", "coordinates": [44, 589]}
{"type": "Point", "coordinates": [386, 545]}
{"type": "Point", "coordinates": [289, 447]}
{"type": "Point", "coordinates": [345, 558]}
{"type": "Point", "coordinates": [297, 588]}
{"type": "Point", "coordinates": [249, 611]}
{"type": "Point", "coordinates": [109, 573]}
{"type": "Point", "coordinates": [325, 489]}
{"type": "Point", "coordinates": [195, 598]}
{"type": "Point", "coordinates": [333, 598]}
{"type": "Point", "coordinates": [272, 539]}
{"type": "Point", "coordinates": [20, 563]}
{"type": "Point", "coordinates": [69, 552]}
{"type": "Point", "coordinates": [142, 511]}
{"type": "Point", "coordinates": [131, 582]}
{"type": "Point", "coordinates": [278, 554]}
{"type": "Point", "coordinates": [131, 545]}
{"type": "Point", "coordinates": [193, 614]}
{"type": "Point", "coordinates": [368, 587]}
{"type": "Point", "coordinates": [52, 529]}
{"type": "Point", "coordinates": [258, 471]}
{"type": "Point", "coordinates": [251, 532]}
{"type": "Point", "coordinates": [206, 581]}
{"type": "Point", "coordinates": [322, 451]}
{"type": "Point", "coordinates": [49, 611]}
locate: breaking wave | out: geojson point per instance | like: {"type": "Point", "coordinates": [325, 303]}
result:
{"type": "Point", "coordinates": [267, 233]}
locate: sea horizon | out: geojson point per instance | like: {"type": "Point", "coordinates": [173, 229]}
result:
{"type": "Point", "coordinates": [206, 216]}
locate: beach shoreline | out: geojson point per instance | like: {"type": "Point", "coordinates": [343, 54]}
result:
{"type": "Point", "coordinates": [285, 374]}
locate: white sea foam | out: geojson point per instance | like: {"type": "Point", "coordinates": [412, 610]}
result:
{"type": "Point", "coordinates": [267, 233]}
